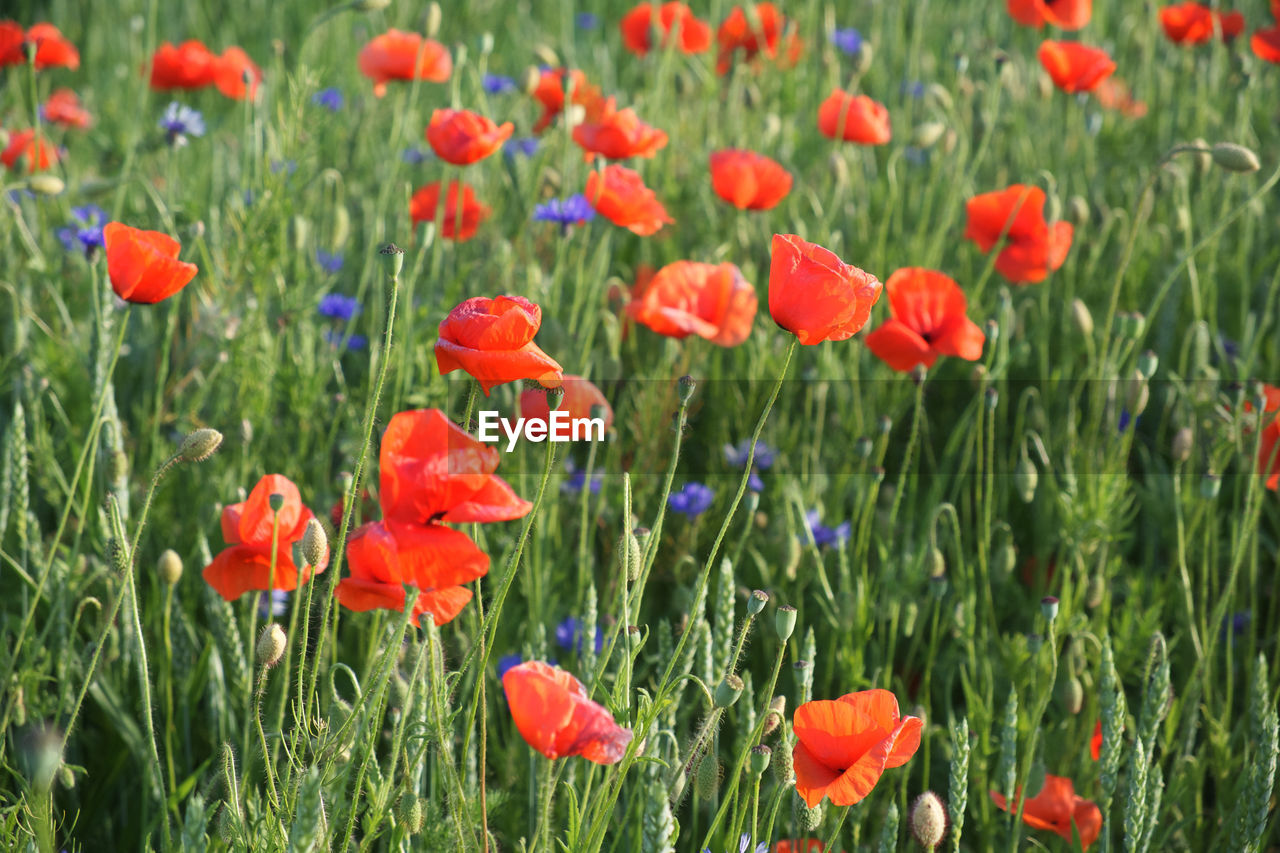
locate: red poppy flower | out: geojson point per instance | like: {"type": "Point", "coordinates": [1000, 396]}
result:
{"type": "Point", "coordinates": [235, 74]}
{"type": "Point", "coordinates": [694, 35]}
{"type": "Point", "coordinates": [815, 295]}
{"type": "Point", "coordinates": [1095, 743]}
{"type": "Point", "coordinates": [52, 48]}
{"type": "Point", "coordinates": [1073, 66]}
{"type": "Point", "coordinates": [1269, 449]}
{"type": "Point", "coordinates": [63, 107]}
{"type": "Point", "coordinates": [554, 716]}
{"type": "Point", "coordinates": [549, 92]}
{"type": "Point", "coordinates": [190, 65]}
{"type": "Point", "coordinates": [580, 397]}
{"type": "Point", "coordinates": [11, 38]}
{"type": "Point", "coordinates": [843, 746]}
{"type": "Point", "coordinates": [38, 155]}
{"type": "Point", "coordinates": [143, 265]}
{"type": "Point", "coordinates": [386, 555]}
{"type": "Point", "coordinates": [246, 563]}
{"type": "Point", "coordinates": [1114, 94]}
{"type": "Point", "coordinates": [854, 118]}
{"type": "Point", "coordinates": [619, 195]}
{"type": "Point", "coordinates": [747, 180]}
{"type": "Point", "coordinates": [760, 31]}
{"type": "Point", "coordinates": [1266, 44]}
{"type": "Point", "coordinates": [712, 301]}
{"type": "Point", "coordinates": [618, 134]}
{"type": "Point", "coordinates": [432, 470]}
{"type": "Point", "coordinates": [1063, 14]}
{"type": "Point", "coordinates": [460, 220]}
{"type": "Point", "coordinates": [799, 845]}
{"type": "Point", "coordinates": [397, 55]}
{"type": "Point", "coordinates": [492, 339]}
{"type": "Point", "coordinates": [462, 137]}
{"type": "Point", "coordinates": [928, 320]}
{"type": "Point", "coordinates": [1033, 247]}
{"type": "Point", "coordinates": [1194, 23]}
{"type": "Point", "coordinates": [1057, 808]}
{"type": "Point", "coordinates": [1275, 9]}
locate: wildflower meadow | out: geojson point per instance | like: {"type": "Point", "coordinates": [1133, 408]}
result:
{"type": "Point", "coordinates": [499, 425]}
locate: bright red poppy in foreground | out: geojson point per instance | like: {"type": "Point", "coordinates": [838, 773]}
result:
{"type": "Point", "coordinates": [397, 55]}
{"type": "Point", "coordinates": [550, 92]}
{"type": "Point", "coordinates": [755, 32]}
{"type": "Point", "coordinates": [694, 36]}
{"type": "Point", "coordinates": [38, 156]}
{"type": "Point", "coordinates": [143, 265]}
{"type": "Point", "coordinates": [844, 745]}
{"type": "Point", "coordinates": [1057, 808]}
{"type": "Point", "coordinates": [618, 134]}
{"type": "Point", "coordinates": [1033, 247]}
{"type": "Point", "coordinates": [1063, 14]}
{"type": "Point", "coordinates": [619, 195]}
{"type": "Point", "coordinates": [747, 180]}
{"type": "Point", "coordinates": [1266, 44]}
{"type": "Point", "coordinates": [246, 563]}
{"type": "Point", "coordinates": [1269, 448]}
{"type": "Point", "coordinates": [461, 218]}
{"type": "Point", "coordinates": [928, 320]}
{"type": "Point", "coordinates": [63, 107]}
{"type": "Point", "coordinates": [553, 714]}
{"type": "Point", "coordinates": [189, 65]}
{"type": "Point", "coordinates": [712, 301]}
{"type": "Point", "coordinates": [52, 48]}
{"type": "Point", "coordinates": [854, 118]}
{"type": "Point", "coordinates": [462, 137]}
{"type": "Point", "coordinates": [1075, 67]}
{"type": "Point", "coordinates": [1194, 23]}
{"type": "Point", "coordinates": [580, 397]}
{"type": "Point", "coordinates": [492, 339]}
{"type": "Point", "coordinates": [815, 295]}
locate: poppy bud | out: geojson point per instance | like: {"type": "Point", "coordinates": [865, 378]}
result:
{"type": "Point", "coordinates": [928, 819]}
{"type": "Point", "coordinates": [314, 543]}
{"type": "Point", "coordinates": [19, 707]}
{"type": "Point", "coordinates": [756, 602]}
{"type": "Point", "coordinates": [530, 80]}
{"type": "Point", "coordinates": [784, 621]}
{"type": "Point", "coordinates": [1025, 477]}
{"type": "Point", "coordinates": [1079, 211]}
{"type": "Point", "coordinates": [862, 447]}
{"type": "Point", "coordinates": [919, 373]}
{"type": "Point", "coordinates": [1136, 393]}
{"type": "Point", "coordinates": [1049, 607]}
{"type": "Point", "coordinates": [300, 230]}
{"type": "Point", "coordinates": [935, 563]}
{"type": "Point", "coordinates": [1148, 363]}
{"type": "Point", "coordinates": [810, 818]}
{"type": "Point", "coordinates": [707, 781]}
{"type": "Point", "coordinates": [1007, 558]}
{"type": "Point", "coordinates": [409, 810]}
{"type": "Point", "coordinates": [728, 691]}
{"type": "Point", "coordinates": [170, 567]}
{"type": "Point", "coordinates": [685, 387]}
{"type": "Point", "coordinates": [758, 759]}
{"type": "Point", "coordinates": [434, 17]}
{"type": "Point", "coordinates": [546, 54]}
{"type": "Point", "coordinates": [199, 445]}
{"type": "Point", "coordinates": [938, 94]}
{"type": "Point", "coordinates": [271, 645]}
{"type": "Point", "coordinates": [228, 827]}
{"type": "Point", "coordinates": [777, 710]}
{"type": "Point", "coordinates": [978, 375]}
{"type": "Point", "coordinates": [1081, 318]}
{"type": "Point", "coordinates": [1097, 590]}
{"type": "Point", "coordinates": [1235, 158]}
{"type": "Point", "coordinates": [1137, 323]}
{"type": "Point", "coordinates": [926, 135]}
{"type": "Point", "coordinates": [992, 330]}
{"type": "Point", "coordinates": [1072, 695]}
{"type": "Point", "coordinates": [1210, 486]}
{"type": "Point", "coordinates": [1182, 442]}
{"type": "Point", "coordinates": [46, 184]}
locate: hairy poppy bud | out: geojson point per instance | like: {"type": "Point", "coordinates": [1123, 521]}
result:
{"type": "Point", "coordinates": [707, 782]}
{"type": "Point", "coordinates": [784, 621]}
{"type": "Point", "coordinates": [1025, 478]}
{"type": "Point", "coordinates": [928, 819]}
{"type": "Point", "coordinates": [271, 645]}
{"type": "Point", "coordinates": [728, 691]}
{"type": "Point", "coordinates": [1148, 363]}
{"type": "Point", "coordinates": [409, 809]}
{"type": "Point", "coordinates": [777, 710]}
{"type": "Point", "coordinates": [1137, 394]}
{"type": "Point", "coordinates": [756, 602]}
{"type": "Point", "coordinates": [170, 567]}
{"type": "Point", "coordinates": [46, 184]}
{"type": "Point", "coordinates": [1183, 440]}
{"type": "Point", "coordinates": [758, 759]}
{"type": "Point", "coordinates": [314, 543]}
{"type": "Point", "coordinates": [1097, 591]}
{"type": "Point", "coordinates": [1079, 211]}
{"type": "Point", "coordinates": [1234, 158]}
{"type": "Point", "coordinates": [199, 445]}
{"type": "Point", "coordinates": [810, 818]}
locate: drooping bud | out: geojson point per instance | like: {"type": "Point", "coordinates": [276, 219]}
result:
{"type": "Point", "coordinates": [926, 135]}
{"type": "Point", "coordinates": [199, 445]}
{"type": "Point", "coordinates": [314, 543]}
{"type": "Point", "coordinates": [1072, 695]}
{"type": "Point", "coordinates": [409, 811]}
{"type": "Point", "coordinates": [1081, 318]}
{"type": "Point", "coordinates": [1234, 158]}
{"type": "Point", "coordinates": [935, 563]}
{"type": "Point", "coordinates": [810, 818]}
{"type": "Point", "coordinates": [1079, 211]}
{"type": "Point", "coordinates": [1097, 591]}
{"type": "Point", "coordinates": [707, 781]}
{"type": "Point", "coordinates": [784, 621]}
{"type": "Point", "coordinates": [1137, 393]}
{"type": "Point", "coordinates": [777, 711]}
{"type": "Point", "coordinates": [1148, 363]}
{"type": "Point", "coordinates": [1025, 478]}
{"type": "Point", "coordinates": [928, 820]}
{"type": "Point", "coordinates": [170, 567]}
{"type": "Point", "coordinates": [271, 645]}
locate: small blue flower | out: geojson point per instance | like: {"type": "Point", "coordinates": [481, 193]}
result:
{"type": "Point", "coordinates": [823, 536]}
{"type": "Point", "coordinates": [744, 844]}
{"type": "Point", "coordinates": [525, 147]}
{"type": "Point", "coordinates": [331, 99]}
{"type": "Point", "coordinates": [570, 635]}
{"type": "Point", "coordinates": [692, 500]}
{"type": "Point", "coordinates": [736, 454]}
{"type": "Point", "coordinates": [414, 156]}
{"type": "Point", "coordinates": [754, 483]}
{"type": "Point", "coordinates": [496, 84]}
{"type": "Point", "coordinates": [329, 261]}
{"type": "Point", "coordinates": [339, 307]}
{"type": "Point", "coordinates": [278, 603]}
{"type": "Point", "coordinates": [506, 662]}
{"type": "Point", "coordinates": [574, 210]}
{"type": "Point", "coordinates": [587, 21]}
{"type": "Point", "coordinates": [916, 156]}
{"type": "Point", "coordinates": [914, 88]}
{"type": "Point", "coordinates": [1125, 420]}
{"type": "Point", "coordinates": [1236, 623]}
{"type": "Point", "coordinates": [180, 121]}
{"type": "Point", "coordinates": [355, 342]}
{"type": "Point", "coordinates": [287, 166]}
{"type": "Point", "coordinates": [85, 234]}
{"type": "Point", "coordinates": [578, 480]}
{"type": "Point", "coordinates": [848, 41]}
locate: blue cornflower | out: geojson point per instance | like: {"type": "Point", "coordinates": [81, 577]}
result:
{"type": "Point", "coordinates": [578, 480]}
{"type": "Point", "coordinates": [278, 603]}
{"type": "Point", "coordinates": [744, 844]}
{"type": "Point", "coordinates": [570, 635]}
{"type": "Point", "coordinates": [526, 147]}
{"type": "Point", "coordinates": [287, 166]}
{"type": "Point", "coordinates": [754, 483]}
{"type": "Point", "coordinates": [414, 156]}
{"type": "Point", "coordinates": [85, 234]}
{"type": "Point", "coordinates": [496, 84]}
{"type": "Point", "coordinates": [736, 454]}
{"type": "Point", "coordinates": [180, 121]}
{"type": "Point", "coordinates": [1230, 348]}
{"type": "Point", "coordinates": [339, 307]}
{"type": "Point", "coordinates": [1125, 420]}
{"type": "Point", "coordinates": [331, 99]}
{"type": "Point", "coordinates": [823, 536]}
{"type": "Point", "coordinates": [848, 41]}
{"type": "Point", "coordinates": [914, 88]}
{"type": "Point", "coordinates": [692, 500]}
{"type": "Point", "coordinates": [1236, 623]}
{"type": "Point", "coordinates": [355, 342]}
{"type": "Point", "coordinates": [329, 261]}
{"type": "Point", "coordinates": [574, 210]}
{"type": "Point", "coordinates": [587, 21]}
{"type": "Point", "coordinates": [506, 662]}
{"type": "Point", "coordinates": [916, 156]}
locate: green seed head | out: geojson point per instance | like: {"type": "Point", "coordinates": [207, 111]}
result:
{"type": "Point", "coordinates": [758, 759]}
{"type": "Point", "coordinates": [756, 602]}
{"type": "Point", "coordinates": [685, 387]}
{"type": "Point", "coordinates": [728, 691]}
{"type": "Point", "coordinates": [784, 621]}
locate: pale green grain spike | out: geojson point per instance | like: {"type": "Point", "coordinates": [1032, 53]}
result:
{"type": "Point", "coordinates": [587, 650]}
{"type": "Point", "coordinates": [1006, 769]}
{"type": "Point", "coordinates": [1113, 713]}
{"type": "Point", "coordinates": [808, 653]}
{"type": "Point", "coordinates": [723, 635]}
{"type": "Point", "coordinates": [309, 823]}
{"type": "Point", "coordinates": [958, 792]}
{"type": "Point", "coordinates": [888, 842]}
{"type": "Point", "coordinates": [1249, 817]}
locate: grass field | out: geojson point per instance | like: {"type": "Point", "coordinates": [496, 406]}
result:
{"type": "Point", "coordinates": [1066, 523]}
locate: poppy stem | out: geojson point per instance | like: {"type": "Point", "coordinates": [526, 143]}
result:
{"type": "Point", "coordinates": [835, 833]}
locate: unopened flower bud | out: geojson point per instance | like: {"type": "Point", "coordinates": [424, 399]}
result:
{"type": "Point", "coordinates": [199, 445]}
{"type": "Point", "coordinates": [46, 184]}
{"type": "Point", "coordinates": [409, 811]}
{"type": "Point", "coordinates": [926, 135]}
{"type": "Point", "coordinates": [1234, 158]}
{"type": "Point", "coordinates": [1182, 443]}
{"type": "Point", "coordinates": [884, 424]}
{"type": "Point", "coordinates": [271, 645]}
{"type": "Point", "coordinates": [784, 621]}
{"type": "Point", "coordinates": [862, 447]}
{"type": "Point", "coordinates": [1097, 591]}
{"type": "Point", "coordinates": [685, 388]}
{"type": "Point", "coordinates": [810, 818]}
{"type": "Point", "coordinates": [758, 759]}
{"type": "Point", "coordinates": [728, 691]}
{"type": "Point", "coordinates": [1072, 695]}
{"type": "Point", "coordinates": [1148, 363]}
{"type": "Point", "coordinates": [1007, 558]}
{"type": "Point", "coordinates": [1137, 393]}
{"type": "Point", "coordinates": [315, 543]}
{"type": "Point", "coordinates": [935, 563]}
{"type": "Point", "coordinates": [1025, 478]}
{"type": "Point", "coordinates": [1080, 212]}
{"type": "Point", "coordinates": [434, 17]}
{"type": "Point", "coordinates": [928, 820]}
{"type": "Point", "coordinates": [756, 601]}
{"type": "Point", "coordinates": [1210, 486]}
{"type": "Point", "coordinates": [170, 567]}
{"type": "Point", "coordinates": [1081, 318]}
{"type": "Point", "coordinates": [707, 780]}
{"type": "Point", "coordinates": [777, 711]}
{"type": "Point", "coordinates": [530, 80]}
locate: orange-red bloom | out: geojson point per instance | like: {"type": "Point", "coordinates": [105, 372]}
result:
{"type": "Point", "coordinates": [619, 195]}
{"type": "Point", "coordinates": [686, 298]}
{"type": "Point", "coordinates": [554, 716]}
{"type": "Point", "coordinates": [63, 107]}
{"type": "Point", "coordinates": [52, 48]}
{"type": "Point", "coordinates": [1063, 14]}
{"type": "Point", "coordinates": [799, 845]}
{"type": "Point", "coordinates": [143, 265]}
{"type": "Point", "coordinates": [461, 217]}
{"type": "Point", "coordinates": [1058, 808]}
{"type": "Point", "coordinates": [38, 155]}
{"type": "Point", "coordinates": [1269, 448]}
{"type": "Point", "coordinates": [1075, 67]}
{"type": "Point", "coordinates": [694, 36]}
{"type": "Point", "coordinates": [492, 339]}
{"type": "Point", "coordinates": [462, 137]}
{"type": "Point", "coordinates": [1114, 94]}
{"type": "Point", "coordinates": [753, 33]}
{"type": "Point", "coordinates": [580, 397]}
{"type": "Point", "coordinates": [189, 65]}
{"type": "Point", "coordinates": [397, 55]}
{"type": "Point", "coordinates": [747, 180]}
{"type": "Point", "coordinates": [1194, 23]}
{"type": "Point", "coordinates": [1266, 44]}
{"type": "Point", "coordinates": [247, 528]}
{"type": "Point", "coordinates": [549, 92]}
{"type": "Point", "coordinates": [854, 118]}
{"type": "Point", "coordinates": [618, 134]}
{"type": "Point", "coordinates": [844, 745]}
{"type": "Point", "coordinates": [815, 295]}
{"type": "Point", "coordinates": [236, 75]}
{"type": "Point", "coordinates": [1033, 247]}
{"type": "Point", "coordinates": [1095, 743]}
{"type": "Point", "coordinates": [11, 37]}
{"type": "Point", "coordinates": [928, 320]}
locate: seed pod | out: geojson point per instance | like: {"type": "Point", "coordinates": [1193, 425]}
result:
{"type": "Point", "coordinates": [928, 820]}
{"type": "Point", "coordinates": [170, 567]}
{"type": "Point", "coordinates": [758, 759]}
{"type": "Point", "coordinates": [784, 621]}
{"type": "Point", "coordinates": [685, 388]}
{"type": "Point", "coordinates": [756, 602]}
{"type": "Point", "coordinates": [199, 445]}
{"type": "Point", "coordinates": [1234, 158]}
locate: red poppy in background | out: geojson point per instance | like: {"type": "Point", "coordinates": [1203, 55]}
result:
{"type": "Point", "coordinates": [1194, 23]}
{"type": "Point", "coordinates": [1095, 743]}
{"type": "Point", "coordinates": [554, 716]}
{"type": "Point", "coordinates": [1033, 247]}
{"type": "Point", "coordinates": [189, 65]}
{"type": "Point", "coordinates": [928, 320]}
{"type": "Point", "coordinates": [747, 180]}
{"type": "Point", "coordinates": [1114, 94]}
{"type": "Point", "coordinates": [63, 107]}
{"type": "Point", "coordinates": [549, 92]}
{"type": "Point", "coordinates": [1057, 808]}
{"type": "Point", "coordinates": [815, 295]}
{"type": "Point", "coordinates": [672, 18]}
{"type": "Point", "coordinates": [52, 48]}
{"type": "Point", "coordinates": [580, 397]}
{"type": "Point", "coordinates": [1075, 67]}
{"type": "Point", "coordinates": [1266, 44]}
{"type": "Point", "coordinates": [461, 217]}
{"type": "Point", "coordinates": [38, 155]}
{"type": "Point", "coordinates": [246, 563]}
{"type": "Point", "coordinates": [1063, 14]}
{"type": "Point", "coordinates": [1269, 448]}
{"type": "Point", "coordinates": [799, 845]}
{"type": "Point", "coordinates": [618, 134]}
{"type": "Point", "coordinates": [712, 301]}
{"type": "Point", "coordinates": [11, 38]}
{"type": "Point", "coordinates": [492, 339]}
{"type": "Point", "coordinates": [619, 195]}
{"type": "Point", "coordinates": [143, 265]}
{"type": "Point", "coordinates": [753, 33]}
{"type": "Point", "coordinates": [236, 75]}
{"type": "Point", "coordinates": [844, 745]}
{"type": "Point", "coordinates": [462, 137]}
{"type": "Point", "coordinates": [431, 470]}
{"type": "Point", "coordinates": [397, 55]}
{"type": "Point", "coordinates": [854, 118]}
